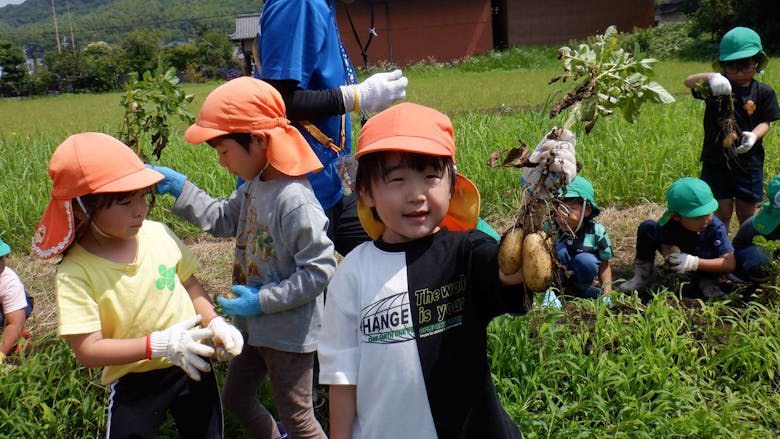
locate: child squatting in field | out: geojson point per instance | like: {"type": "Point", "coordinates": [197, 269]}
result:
{"type": "Point", "coordinates": [126, 295]}
{"type": "Point", "coordinates": [754, 262]}
{"type": "Point", "coordinates": [688, 235]}
{"type": "Point", "coordinates": [406, 315]}
{"type": "Point", "coordinates": [583, 245]}
{"type": "Point", "coordinates": [15, 305]}
{"type": "Point", "coordinates": [283, 258]}
{"type": "Point", "coordinates": [736, 172]}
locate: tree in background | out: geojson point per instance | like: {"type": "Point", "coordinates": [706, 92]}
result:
{"type": "Point", "coordinates": [142, 51]}
{"type": "Point", "coordinates": [15, 75]}
{"type": "Point", "coordinates": [102, 65]}
{"type": "Point", "coordinates": [716, 17]}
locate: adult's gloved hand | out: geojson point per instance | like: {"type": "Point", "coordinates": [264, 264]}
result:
{"type": "Point", "coordinates": [376, 93]}
{"type": "Point", "coordinates": [173, 182]}
{"type": "Point", "coordinates": [746, 142]}
{"type": "Point", "coordinates": [246, 304]}
{"type": "Point", "coordinates": [180, 344]}
{"type": "Point", "coordinates": [682, 262]}
{"type": "Point", "coordinates": [556, 157]}
{"type": "Point", "coordinates": [719, 84]}
{"type": "Point", "coordinates": [605, 299]}
{"type": "Point", "coordinates": [228, 340]}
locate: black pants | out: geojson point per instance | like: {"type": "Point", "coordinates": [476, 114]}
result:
{"type": "Point", "coordinates": [139, 402]}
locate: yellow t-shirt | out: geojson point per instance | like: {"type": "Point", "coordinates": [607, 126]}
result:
{"type": "Point", "coordinates": [126, 300]}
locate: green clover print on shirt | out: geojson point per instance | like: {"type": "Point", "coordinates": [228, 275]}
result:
{"type": "Point", "coordinates": [166, 279]}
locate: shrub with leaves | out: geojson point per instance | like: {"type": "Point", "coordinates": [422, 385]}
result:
{"type": "Point", "coordinates": [150, 103]}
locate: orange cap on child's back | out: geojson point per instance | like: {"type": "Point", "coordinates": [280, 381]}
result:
{"type": "Point", "coordinates": [86, 163]}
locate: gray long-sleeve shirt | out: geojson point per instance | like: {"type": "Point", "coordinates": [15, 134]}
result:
{"type": "Point", "coordinates": [281, 248]}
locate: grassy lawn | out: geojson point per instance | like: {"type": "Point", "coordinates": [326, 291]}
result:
{"type": "Point", "coordinates": [667, 368]}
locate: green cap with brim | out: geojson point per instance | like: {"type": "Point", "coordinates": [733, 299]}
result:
{"type": "Point", "coordinates": [581, 188]}
{"type": "Point", "coordinates": [741, 43]}
{"type": "Point", "coordinates": [768, 218]}
{"type": "Point", "coordinates": [688, 197]}
{"type": "Point", "coordinates": [4, 248]}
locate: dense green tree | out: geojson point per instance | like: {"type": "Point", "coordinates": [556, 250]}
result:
{"type": "Point", "coordinates": [142, 51]}
{"type": "Point", "coordinates": [64, 69]}
{"type": "Point", "coordinates": [715, 17]}
{"type": "Point", "coordinates": [15, 74]}
{"type": "Point", "coordinates": [102, 65]}
{"type": "Point", "coordinates": [214, 52]}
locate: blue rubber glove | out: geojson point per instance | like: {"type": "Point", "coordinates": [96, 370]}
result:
{"type": "Point", "coordinates": [173, 182]}
{"type": "Point", "coordinates": [606, 300]}
{"type": "Point", "coordinates": [246, 304]}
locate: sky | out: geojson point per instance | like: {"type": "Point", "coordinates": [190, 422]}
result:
{"type": "Point", "coordinates": [10, 2]}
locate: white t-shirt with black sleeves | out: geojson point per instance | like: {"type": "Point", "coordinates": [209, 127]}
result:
{"type": "Point", "coordinates": [407, 325]}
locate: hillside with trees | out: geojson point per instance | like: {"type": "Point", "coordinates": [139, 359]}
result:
{"type": "Point", "coordinates": [30, 25]}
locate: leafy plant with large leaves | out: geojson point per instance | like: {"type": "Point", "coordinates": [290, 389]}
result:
{"type": "Point", "coordinates": [150, 103]}
{"type": "Point", "coordinates": [612, 78]}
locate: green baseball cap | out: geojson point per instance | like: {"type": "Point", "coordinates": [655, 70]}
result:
{"type": "Point", "coordinates": [581, 188]}
{"type": "Point", "coordinates": [768, 218]}
{"type": "Point", "coordinates": [741, 43]}
{"type": "Point", "coordinates": [688, 197]}
{"type": "Point", "coordinates": [4, 248]}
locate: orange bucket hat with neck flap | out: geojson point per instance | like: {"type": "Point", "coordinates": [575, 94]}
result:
{"type": "Point", "coordinates": [85, 163]}
{"type": "Point", "coordinates": [249, 105]}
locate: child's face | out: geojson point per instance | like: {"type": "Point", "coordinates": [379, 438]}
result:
{"type": "Point", "coordinates": [2, 264]}
{"type": "Point", "coordinates": [740, 71]}
{"type": "Point", "coordinates": [694, 223]}
{"type": "Point", "coordinates": [123, 219]}
{"type": "Point", "coordinates": [245, 163]}
{"type": "Point", "coordinates": [410, 203]}
{"type": "Point", "coordinates": [571, 212]}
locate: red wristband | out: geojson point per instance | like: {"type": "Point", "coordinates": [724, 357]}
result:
{"type": "Point", "coordinates": [149, 346]}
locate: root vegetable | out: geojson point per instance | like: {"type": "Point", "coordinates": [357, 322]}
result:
{"type": "Point", "coordinates": [730, 139]}
{"type": "Point", "coordinates": [537, 261]}
{"type": "Point", "coordinates": [510, 253]}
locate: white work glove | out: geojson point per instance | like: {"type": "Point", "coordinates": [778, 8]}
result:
{"type": "Point", "coordinates": [180, 344]}
{"type": "Point", "coordinates": [376, 93]}
{"type": "Point", "coordinates": [682, 262]}
{"type": "Point", "coordinates": [550, 300]}
{"type": "Point", "coordinates": [231, 342]}
{"type": "Point", "coordinates": [746, 142]}
{"type": "Point", "coordinates": [719, 85]}
{"type": "Point", "coordinates": [558, 156]}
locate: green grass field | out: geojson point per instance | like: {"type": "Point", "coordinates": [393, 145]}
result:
{"type": "Point", "coordinates": [668, 368]}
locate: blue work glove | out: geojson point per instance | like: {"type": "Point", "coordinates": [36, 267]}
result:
{"type": "Point", "coordinates": [246, 304]}
{"type": "Point", "coordinates": [173, 182]}
{"type": "Point", "coordinates": [606, 300]}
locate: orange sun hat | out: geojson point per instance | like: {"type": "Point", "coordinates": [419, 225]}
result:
{"type": "Point", "coordinates": [85, 163]}
{"type": "Point", "coordinates": [414, 128]}
{"type": "Point", "coordinates": [249, 105]}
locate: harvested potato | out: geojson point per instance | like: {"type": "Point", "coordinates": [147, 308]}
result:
{"type": "Point", "coordinates": [510, 252]}
{"type": "Point", "coordinates": [730, 139]}
{"type": "Point", "coordinates": [537, 261]}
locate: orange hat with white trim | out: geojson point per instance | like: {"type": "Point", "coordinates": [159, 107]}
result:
{"type": "Point", "coordinates": [249, 105]}
{"type": "Point", "coordinates": [85, 163]}
{"type": "Point", "coordinates": [414, 128]}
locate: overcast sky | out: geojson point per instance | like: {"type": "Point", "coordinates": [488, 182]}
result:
{"type": "Point", "coordinates": [10, 2]}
